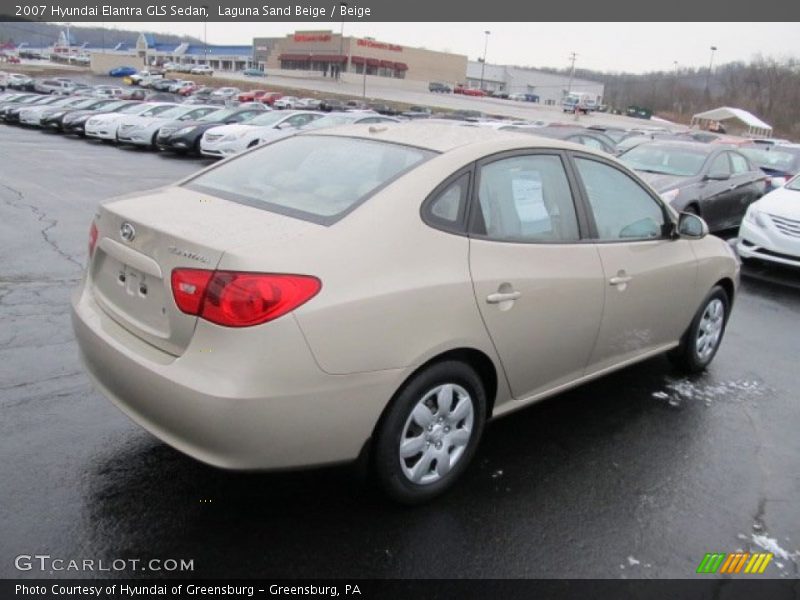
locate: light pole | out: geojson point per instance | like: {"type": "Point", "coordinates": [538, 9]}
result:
{"type": "Point", "coordinates": [572, 57]}
{"type": "Point", "coordinates": [483, 63]}
{"type": "Point", "coordinates": [708, 75]}
{"type": "Point", "coordinates": [341, 37]}
{"type": "Point", "coordinates": [69, 50]}
{"type": "Point", "coordinates": [675, 85]}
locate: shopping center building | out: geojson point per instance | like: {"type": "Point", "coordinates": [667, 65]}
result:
{"type": "Point", "coordinates": [322, 51]}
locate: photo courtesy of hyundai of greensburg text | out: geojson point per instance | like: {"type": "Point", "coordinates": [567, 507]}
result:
{"type": "Point", "coordinates": [382, 300]}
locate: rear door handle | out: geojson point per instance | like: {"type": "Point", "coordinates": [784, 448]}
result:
{"type": "Point", "coordinates": [620, 279]}
{"type": "Point", "coordinates": [498, 297]}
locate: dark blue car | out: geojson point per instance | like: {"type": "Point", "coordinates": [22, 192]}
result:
{"type": "Point", "coordinates": [122, 71]}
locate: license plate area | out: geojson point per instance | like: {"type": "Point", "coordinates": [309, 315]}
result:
{"type": "Point", "coordinates": [131, 296]}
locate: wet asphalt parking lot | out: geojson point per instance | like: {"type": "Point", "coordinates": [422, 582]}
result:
{"type": "Point", "coordinates": [636, 475]}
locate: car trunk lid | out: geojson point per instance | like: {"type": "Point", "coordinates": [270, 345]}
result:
{"type": "Point", "coordinates": [142, 239]}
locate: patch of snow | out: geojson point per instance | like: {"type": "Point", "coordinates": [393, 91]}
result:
{"type": "Point", "coordinates": [632, 561]}
{"type": "Point", "coordinates": [771, 545]}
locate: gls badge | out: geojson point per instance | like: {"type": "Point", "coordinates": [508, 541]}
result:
{"type": "Point", "coordinates": [127, 232]}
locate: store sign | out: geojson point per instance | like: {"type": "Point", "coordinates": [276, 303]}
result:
{"type": "Point", "coordinates": [381, 45]}
{"type": "Point", "coordinates": [312, 37]}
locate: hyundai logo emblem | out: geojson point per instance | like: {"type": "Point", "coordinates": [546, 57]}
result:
{"type": "Point", "coordinates": [127, 232]}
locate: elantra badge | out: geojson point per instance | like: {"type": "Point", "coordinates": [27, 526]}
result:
{"type": "Point", "coordinates": [127, 232]}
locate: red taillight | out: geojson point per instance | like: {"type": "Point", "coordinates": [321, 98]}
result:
{"type": "Point", "coordinates": [189, 289]}
{"type": "Point", "coordinates": [92, 238]}
{"type": "Point", "coordinates": [238, 299]}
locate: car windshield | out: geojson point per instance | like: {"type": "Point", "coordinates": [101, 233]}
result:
{"type": "Point", "coordinates": [133, 109]}
{"type": "Point", "coordinates": [331, 121]}
{"type": "Point", "coordinates": [115, 106]}
{"type": "Point", "coordinates": [270, 118]}
{"type": "Point", "coordinates": [160, 111]}
{"type": "Point", "coordinates": [668, 160]}
{"type": "Point", "coordinates": [771, 159]}
{"type": "Point", "coordinates": [794, 184]}
{"type": "Point", "coordinates": [217, 115]}
{"type": "Point", "coordinates": [172, 113]}
{"type": "Point", "coordinates": [314, 177]}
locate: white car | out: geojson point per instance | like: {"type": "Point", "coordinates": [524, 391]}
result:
{"type": "Point", "coordinates": [228, 140]}
{"type": "Point", "coordinates": [286, 102]}
{"type": "Point", "coordinates": [18, 81]}
{"type": "Point", "coordinates": [107, 91]}
{"type": "Point", "coordinates": [770, 230]}
{"type": "Point", "coordinates": [32, 116]}
{"type": "Point", "coordinates": [180, 83]}
{"type": "Point", "coordinates": [202, 70]}
{"type": "Point", "coordinates": [226, 92]}
{"type": "Point", "coordinates": [142, 130]}
{"type": "Point", "coordinates": [104, 127]}
{"type": "Point", "coordinates": [137, 78]}
{"type": "Point", "coordinates": [307, 103]}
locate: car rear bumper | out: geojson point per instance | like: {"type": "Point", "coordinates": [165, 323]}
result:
{"type": "Point", "coordinates": [259, 402]}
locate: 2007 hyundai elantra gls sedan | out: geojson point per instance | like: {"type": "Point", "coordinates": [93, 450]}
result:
{"type": "Point", "coordinates": [382, 291]}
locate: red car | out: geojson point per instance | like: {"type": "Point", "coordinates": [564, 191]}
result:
{"type": "Point", "coordinates": [13, 60]}
{"type": "Point", "coordinates": [270, 97]}
{"type": "Point", "coordinates": [468, 91]}
{"type": "Point", "coordinates": [252, 95]}
{"type": "Point", "coordinates": [188, 89]}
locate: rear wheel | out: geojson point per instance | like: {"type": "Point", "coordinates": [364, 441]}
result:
{"type": "Point", "coordinates": [430, 432]}
{"type": "Point", "coordinates": [701, 341]}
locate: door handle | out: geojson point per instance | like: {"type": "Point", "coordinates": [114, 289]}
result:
{"type": "Point", "coordinates": [620, 279]}
{"type": "Point", "coordinates": [498, 297]}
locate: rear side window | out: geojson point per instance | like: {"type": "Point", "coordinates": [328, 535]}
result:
{"type": "Point", "coordinates": [720, 166]}
{"type": "Point", "coordinates": [317, 178]}
{"type": "Point", "coordinates": [526, 199]}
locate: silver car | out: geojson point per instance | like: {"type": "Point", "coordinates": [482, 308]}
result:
{"type": "Point", "coordinates": [381, 291]}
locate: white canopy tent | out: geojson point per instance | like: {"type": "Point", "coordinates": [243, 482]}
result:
{"type": "Point", "coordinates": [751, 125]}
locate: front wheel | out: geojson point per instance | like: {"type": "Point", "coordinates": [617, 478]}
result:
{"type": "Point", "coordinates": [701, 341]}
{"type": "Point", "coordinates": [430, 433]}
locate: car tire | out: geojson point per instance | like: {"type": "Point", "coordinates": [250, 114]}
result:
{"type": "Point", "coordinates": [440, 412]}
{"type": "Point", "coordinates": [701, 341]}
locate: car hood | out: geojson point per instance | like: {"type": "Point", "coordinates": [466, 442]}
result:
{"type": "Point", "coordinates": [234, 128]}
{"type": "Point", "coordinates": [662, 183]}
{"type": "Point", "coordinates": [109, 117]}
{"type": "Point", "coordinates": [782, 202]}
{"type": "Point", "coordinates": [140, 121]}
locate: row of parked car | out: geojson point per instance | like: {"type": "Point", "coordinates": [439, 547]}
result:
{"type": "Point", "coordinates": [716, 177]}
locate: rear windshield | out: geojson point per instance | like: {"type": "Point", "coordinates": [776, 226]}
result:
{"type": "Point", "coordinates": [317, 178]}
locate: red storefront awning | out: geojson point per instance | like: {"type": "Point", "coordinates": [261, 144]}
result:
{"type": "Point", "coordinates": [358, 60]}
{"type": "Point", "coordinates": [401, 66]}
{"type": "Point", "coordinates": [334, 58]}
{"type": "Point", "coordinates": [298, 57]}
{"type": "Point", "coordinates": [387, 64]}
{"type": "Point", "coordinates": [373, 62]}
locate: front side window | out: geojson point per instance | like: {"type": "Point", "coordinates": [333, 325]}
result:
{"type": "Point", "coordinates": [622, 209]}
{"type": "Point", "coordinates": [526, 199]}
{"type": "Point", "coordinates": [317, 178]}
{"type": "Point", "coordinates": [720, 167]}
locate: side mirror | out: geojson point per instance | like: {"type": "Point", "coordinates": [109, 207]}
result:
{"type": "Point", "coordinates": [692, 226]}
{"type": "Point", "coordinates": [717, 177]}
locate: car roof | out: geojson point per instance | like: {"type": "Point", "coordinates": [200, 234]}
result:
{"type": "Point", "coordinates": [443, 137]}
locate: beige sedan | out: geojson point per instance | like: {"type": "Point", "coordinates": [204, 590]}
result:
{"type": "Point", "coordinates": [382, 291]}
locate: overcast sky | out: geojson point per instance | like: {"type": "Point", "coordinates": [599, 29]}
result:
{"type": "Point", "coordinates": [633, 47]}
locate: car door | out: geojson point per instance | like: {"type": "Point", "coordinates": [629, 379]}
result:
{"type": "Point", "coordinates": [717, 192]}
{"type": "Point", "coordinates": [649, 275]}
{"type": "Point", "coordinates": [539, 287]}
